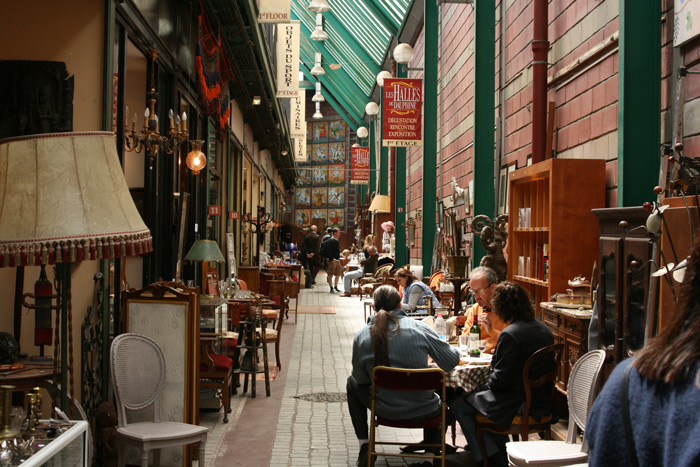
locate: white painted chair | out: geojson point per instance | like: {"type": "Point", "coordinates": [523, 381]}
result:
{"type": "Point", "coordinates": [582, 391]}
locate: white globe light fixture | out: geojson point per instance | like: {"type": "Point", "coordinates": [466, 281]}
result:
{"type": "Point", "coordinates": [319, 6]}
{"type": "Point", "coordinates": [318, 113]}
{"type": "Point", "coordinates": [362, 132]}
{"type": "Point", "coordinates": [403, 53]}
{"type": "Point", "coordinates": [355, 145]}
{"type": "Point", "coordinates": [318, 97]}
{"type": "Point", "coordinates": [319, 34]}
{"type": "Point", "coordinates": [318, 69]}
{"type": "Point", "coordinates": [371, 109]}
{"type": "Point", "coordinates": [381, 77]}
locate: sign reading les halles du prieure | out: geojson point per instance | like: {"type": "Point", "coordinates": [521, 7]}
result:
{"type": "Point", "coordinates": [288, 59]}
{"type": "Point", "coordinates": [402, 112]}
{"type": "Point", "coordinates": [274, 11]}
{"type": "Point", "coordinates": [359, 166]}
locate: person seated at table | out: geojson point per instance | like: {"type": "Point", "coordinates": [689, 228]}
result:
{"type": "Point", "coordinates": [505, 394]}
{"type": "Point", "coordinates": [415, 292]}
{"type": "Point", "coordinates": [481, 283]}
{"type": "Point", "coordinates": [367, 266]}
{"type": "Point", "coordinates": [663, 387]}
{"type": "Point", "coordinates": [393, 339]}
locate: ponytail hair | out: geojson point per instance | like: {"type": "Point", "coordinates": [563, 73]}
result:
{"type": "Point", "coordinates": [386, 298]}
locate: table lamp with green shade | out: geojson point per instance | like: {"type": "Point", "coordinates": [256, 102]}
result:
{"type": "Point", "coordinates": [205, 251]}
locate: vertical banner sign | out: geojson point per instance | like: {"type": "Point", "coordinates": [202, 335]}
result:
{"type": "Point", "coordinates": [300, 149]}
{"type": "Point", "coordinates": [359, 166]}
{"type": "Point", "coordinates": [402, 112]}
{"type": "Point", "coordinates": [298, 115]}
{"type": "Point", "coordinates": [288, 59]}
{"type": "Point", "coordinates": [274, 11]}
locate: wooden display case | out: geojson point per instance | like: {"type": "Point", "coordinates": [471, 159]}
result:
{"type": "Point", "coordinates": [552, 234]}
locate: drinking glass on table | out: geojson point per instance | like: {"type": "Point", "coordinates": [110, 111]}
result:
{"type": "Point", "coordinates": [464, 344]}
{"type": "Point", "coordinates": [482, 345]}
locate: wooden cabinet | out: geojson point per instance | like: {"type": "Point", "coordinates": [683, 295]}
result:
{"type": "Point", "coordinates": [623, 288]}
{"type": "Point", "coordinates": [552, 234]}
{"type": "Point", "coordinates": [570, 327]}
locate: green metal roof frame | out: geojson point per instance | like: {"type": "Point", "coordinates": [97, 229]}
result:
{"type": "Point", "coordinates": [360, 33]}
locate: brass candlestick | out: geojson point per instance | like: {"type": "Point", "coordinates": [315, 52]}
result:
{"type": "Point", "coordinates": [6, 395]}
{"type": "Point", "coordinates": [32, 415]}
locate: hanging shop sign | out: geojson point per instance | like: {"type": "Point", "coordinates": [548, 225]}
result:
{"type": "Point", "coordinates": [274, 11]}
{"type": "Point", "coordinates": [233, 215]}
{"type": "Point", "coordinates": [214, 210]}
{"type": "Point", "coordinates": [300, 149]}
{"type": "Point", "coordinates": [297, 110]}
{"type": "Point", "coordinates": [359, 166]}
{"type": "Point", "coordinates": [402, 112]}
{"type": "Point", "coordinates": [288, 59]}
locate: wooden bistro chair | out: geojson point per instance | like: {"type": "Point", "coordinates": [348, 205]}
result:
{"type": "Point", "coordinates": [369, 283]}
{"type": "Point", "coordinates": [137, 368]}
{"type": "Point", "coordinates": [524, 423]}
{"type": "Point", "coordinates": [404, 379]}
{"type": "Point", "coordinates": [275, 314]}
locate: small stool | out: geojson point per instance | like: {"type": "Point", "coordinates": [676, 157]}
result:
{"type": "Point", "coordinates": [369, 305]}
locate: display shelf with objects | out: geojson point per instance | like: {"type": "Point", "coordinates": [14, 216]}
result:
{"type": "Point", "coordinates": [552, 234]}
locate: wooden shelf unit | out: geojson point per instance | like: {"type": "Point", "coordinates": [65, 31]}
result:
{"type": "Point", "coordinates": [560, 194]}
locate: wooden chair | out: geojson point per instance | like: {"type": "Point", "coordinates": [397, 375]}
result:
{"type": "Point", "coordinates": [293, 288]}
{"type": "Point", "coordinates": [524, 423]}
{"type": "Point", "coordinates": [403, 379]}
{"type": "Point", "coordinates": [369, 283]}
{"type": "Point", "coordinates": [215, 371]}
{"type": "Point", "coordinates": [277, 292]}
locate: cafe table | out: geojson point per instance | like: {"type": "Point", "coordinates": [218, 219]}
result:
{"type": "Point", "coordinates": [471, 376]}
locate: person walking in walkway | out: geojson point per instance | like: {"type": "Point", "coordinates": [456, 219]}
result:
{"type": "Point", "coordinates": [393, 339]}
{"type": "Point", "coordinates": [663, 388]}
{"type": "Point", "coordinates": [312, 244]}
{"type": "Point", "coordinates": [332, 251]}
{"type": "Point", "coordinates": [367, 266]}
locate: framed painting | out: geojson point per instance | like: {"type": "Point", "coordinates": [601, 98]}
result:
{"type": "Point", "coordinates": [336, 217]}
{"type": "Point", "coordinates": [336, 174]}
{"type": "Point", "coordinates": [309, 132]}
{"type": "Point", "coordinates": [302, 218]}
{"type": "Point", "coordinates": [319, 154]}
{"type": "Point", "coordinates": [319, 214]}
{"type": "Point", "coordinates": [319, 176]}
{"type": "Point", "coordinates": [336, 152]}
{"type": "Point", "coordinates": [336, 196]}
{"type": "Point", "coordinates": [319, 197]}
{"type": "Point", "coordinates": [320, 134]}
{"type": "Point", "coordinates": [309, 152]}
{"type": "Point", "coordinates": [336, 130]}
{"type": "Point", "coordinates": [304, 178]}
{"type": "Point", "coordinates": [303, 198]}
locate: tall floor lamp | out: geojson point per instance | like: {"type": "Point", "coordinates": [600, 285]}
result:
{"type": "Point", "coordinates": [65, 200]}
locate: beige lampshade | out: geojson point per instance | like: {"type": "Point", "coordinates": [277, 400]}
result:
{"type": "Point", "coordinates": [380, 203]}
{"type": "Point", "coordinates": [64, 198]}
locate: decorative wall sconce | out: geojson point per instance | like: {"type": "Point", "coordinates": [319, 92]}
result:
{"type": "Point", "coordinates": [196, 159]}
{"type": "Point", "coordinates": [149, 137]}
{"type": "Point", "coordinates": [256, 100]}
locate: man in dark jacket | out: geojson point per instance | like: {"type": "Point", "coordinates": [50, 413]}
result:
{"type": "Point", "coordinates": [504, 396]}
{"type": "Point", "coordinates": [311, 245]}
{"type": "Point", "coordinates": [332, 249]}
{"type": "Point", "coordinates": [367, 266]}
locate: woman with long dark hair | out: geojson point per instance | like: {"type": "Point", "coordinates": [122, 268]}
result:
{"type": "Point", "coordinates": [393, 339]}
{"type": "Point", "coordinates": [663, 391]}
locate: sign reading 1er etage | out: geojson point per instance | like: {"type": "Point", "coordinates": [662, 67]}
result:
{"type": "Point", "coordinates": [402, 112]}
